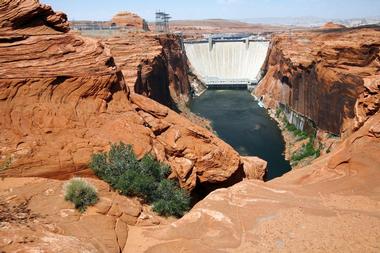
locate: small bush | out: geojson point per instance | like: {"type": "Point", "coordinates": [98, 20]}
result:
{"type": "Point", "coordinates": [6, 164]}
{"type": "Point", "coordinates": [171, 200]}
{"type": "Point", "coordinates": [145, 179]}
{"type": "Point", "coordinates": [111, 166]}
{"type": "Point", "coordinates": [306, 151]}
{"type": "Point", "coordinates": [81, 193]}
{"type": "Point", "coordinates": [136, 183]}
{"type": "Point", "coordinates": [292, 128]}
{"type": "Point", "coordinates": [278, 112]}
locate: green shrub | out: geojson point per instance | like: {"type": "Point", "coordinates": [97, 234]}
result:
{"type": "Point", "coordinates": [171, 200]}
{"type": "Point", "coordinates": [110, 166]}
{"type": "Point", "coordinates": [306, 151]}
{"type": "Point", "coordinates": [298, 133]}
{"type": "Point", "coordinates": [136, 183]}
{"type": "Point", "coordinates": [145, 179]}
{"type": "Point", "coordinates": [278, 112]}
{"type": "Point", "coordinates": [81, 193]}
{"type": "Point", "coordinates": [6, 164]}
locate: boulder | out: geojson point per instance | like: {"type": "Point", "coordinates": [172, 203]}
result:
{"type": "Point", "coordinates": [254, 167]}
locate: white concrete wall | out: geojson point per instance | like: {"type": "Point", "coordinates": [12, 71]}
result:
{"type": "Point", "coordinates": [227, 60]}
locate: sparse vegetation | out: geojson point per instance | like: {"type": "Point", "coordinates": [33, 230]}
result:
{"type": "Point", "coordinates": [292, 128]}
{"type": "Point", "coordinates": [307, 150]}
{"type": "Point", "coordinates": [278, 112]}
{"type": "Point", "coordinates": [81, 193]}
{"type": "Point", "coordinates": [145, 178]}
{"type": "Point", "coordinates": [6, 164]}
{"type": "Point", "coordinates": [331, 135]}
{"type": "Point", "coordinates": [172, 199]}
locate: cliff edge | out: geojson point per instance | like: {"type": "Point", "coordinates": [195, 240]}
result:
{"type": "Point", "coordinates": [62, 98]}
{"type": "Point", "coordinates": [331, 77]}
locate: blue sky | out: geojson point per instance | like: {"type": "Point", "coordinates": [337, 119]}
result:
{"type": "Point", "coordinates": [227, 9]}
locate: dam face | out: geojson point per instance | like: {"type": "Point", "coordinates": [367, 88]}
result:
{"type": "Point", "coordinates": [227, 62]}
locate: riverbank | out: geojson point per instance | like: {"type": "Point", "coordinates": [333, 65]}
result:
{"type": "Point", "coordinates": [292, 142]}
{"type": "Point", "coordinates": [322, 142]}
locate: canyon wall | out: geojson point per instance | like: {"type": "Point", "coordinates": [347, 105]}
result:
{"type": "Point", "coordinates": [153, 65]}
{"type": "Point", "coordinates": [62, 98]}
{"type": "Point", "coordinates": [331, 76]}
{"type": "Point", "coordinates": [331, 205]}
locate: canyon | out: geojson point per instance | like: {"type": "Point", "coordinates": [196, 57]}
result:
{"type": "Point", "coordinates": [55, 117]}
{"type": "Point", "coordinates": [64, 97]}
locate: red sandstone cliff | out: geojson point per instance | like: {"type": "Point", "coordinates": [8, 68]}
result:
{"type": "Point", "coordinates": [153, 65]}
{"type": "Point", "coordinates": [62, 98]}
{"type": "Point", "coordinates": [331, 77]}
{"type": "Point", "coordinates": [331, 205]}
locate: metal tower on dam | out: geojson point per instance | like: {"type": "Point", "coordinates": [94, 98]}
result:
{"type": "Point", "coordinates": [162, 22]}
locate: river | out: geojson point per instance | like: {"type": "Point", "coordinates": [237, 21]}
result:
{"type": "Point", "coordinates": [241, 122]}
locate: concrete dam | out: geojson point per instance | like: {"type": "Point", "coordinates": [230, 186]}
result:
{"type": "Point", "coordinates": [227, 63]}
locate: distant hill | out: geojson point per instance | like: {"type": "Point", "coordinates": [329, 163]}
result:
{"type": "Point", "coordinates": [197, 28]}
{"type": "Point", "coordinates": [312, 21]}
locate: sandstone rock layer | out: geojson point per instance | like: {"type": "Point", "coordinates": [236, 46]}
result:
{"type": "Point", "coordinates": [329, 206]}
{"type": "Point", "coordinates": [129, 20]}
{"type": "Point", "coordinates": [153, 65]}
{"type": "Point", "coordinates": [62, 98]}
{"type": "Point", "coordinates": [331, 77]}
{"type": "Point", "coordinates": [45, 221]}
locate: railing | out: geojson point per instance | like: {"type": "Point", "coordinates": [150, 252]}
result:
{"type": "Point", "coordinates": [230, 83]}
{"type": "Point", "coordinates": [223, 40]}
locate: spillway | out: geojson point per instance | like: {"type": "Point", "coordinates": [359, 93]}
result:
{"type": "Point", "coordinates": [227, 61]}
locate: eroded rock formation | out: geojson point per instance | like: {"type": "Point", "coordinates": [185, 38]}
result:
{"type": "Point", "coordinates": [330, 205]}
{"type": "Point", "coordinates": [330, 77]}
{"type": "Point", "coordinates": [332, 25]}
{"type": "Point", "coordinates": [35, 216]}
{"type": "Point", "coordinates": [153, 65]}
{"type": "Point", "coordinates": [340, 190]}
{"type": "Point", "coordinates": [62, 98]}
{"type": "Point", "coordinates": [129, 20]}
